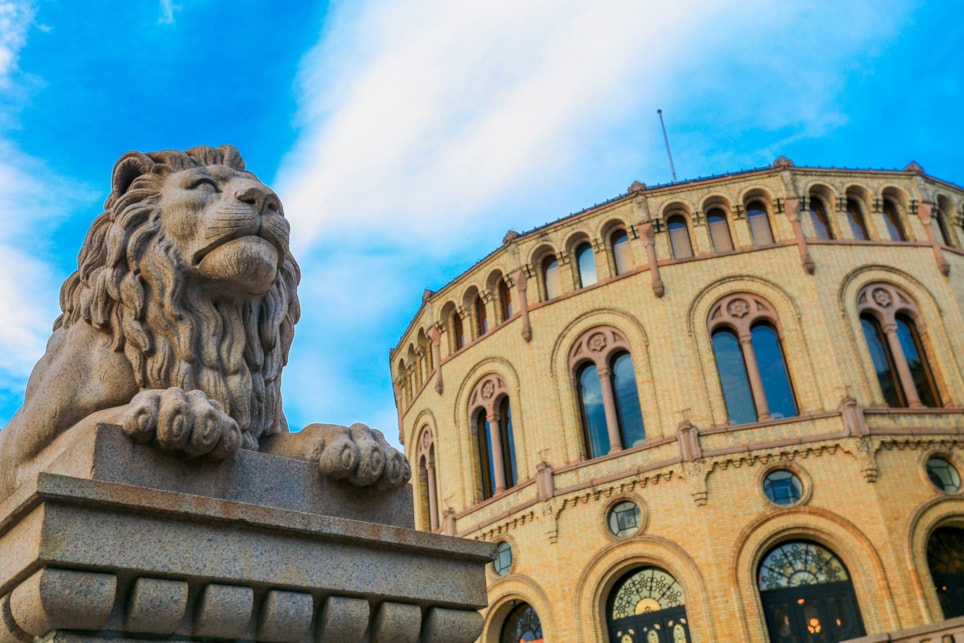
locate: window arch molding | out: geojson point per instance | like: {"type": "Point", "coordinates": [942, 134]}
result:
{"type": "Point", "coordinates": [583, 251]}
{"type": "Point", "coordinates": [742, 320]}
{"type": "Point", "coordinates": [896, 341]}
{"type": "Point", "coordinates": [942, 510]}
{"type": "Point", "coordinates": [601, 348]}
{"type": "Point", "coordinates": [425, 464]}
{"type": "Point", "coordinates": [505, 594]}
{"type": "Point", "coordinates": [718, 215]}
{"type": "Point", "coordinates": [491, 423]}
{"type": "Point", "coordinates": [548, 278]}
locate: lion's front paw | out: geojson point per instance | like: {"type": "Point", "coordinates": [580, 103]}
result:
{"type": "Point", "coordinates": [361, 456]}
{"type": "Point", "coordinates": [187, 423]}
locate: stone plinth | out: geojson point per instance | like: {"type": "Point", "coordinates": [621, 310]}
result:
{"type": "Point", "coordinates": [117, 540]}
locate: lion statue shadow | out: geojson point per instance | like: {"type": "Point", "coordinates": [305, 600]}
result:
{"type": "Point", "coordinates": [176, 326]}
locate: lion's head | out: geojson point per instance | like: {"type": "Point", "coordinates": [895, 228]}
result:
{"type": "Point", "coordinates": [189, 274]}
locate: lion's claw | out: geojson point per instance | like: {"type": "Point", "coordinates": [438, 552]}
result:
{"type": "Point", "coordinates": [359, 455]}
{"type": "Point", "coordinates": [186, 423]}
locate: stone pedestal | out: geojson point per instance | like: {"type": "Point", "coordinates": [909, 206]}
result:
{"type": "Point", "coordinates": [120, 541]}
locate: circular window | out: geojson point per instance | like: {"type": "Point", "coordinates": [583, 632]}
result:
{"type": "Point", "coordinates": [782, 487]}
{"type": "Point", "coordinates": [943, 474]}
{"type": "Point", "coordinates": [624, 519]}
{"type": "Point", "coordinates": [503, 558]}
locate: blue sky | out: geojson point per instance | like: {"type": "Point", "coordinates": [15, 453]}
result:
{"type": "Point", "coordinates": [406, 137]}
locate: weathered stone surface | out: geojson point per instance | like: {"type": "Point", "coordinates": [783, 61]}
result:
{"type": "Point", "coordinates": [224, 611]}
{"type": "Point", "coordinates": [156, 606]}
{"type": "Point", "coordinates": [342, 620]}
{"type": "Point", "coordinates": [285, 617]}
{"type": "Point", "coordinates": [396, 623]}
{"type": "Point", "coordinates": [451, 626]}
{"type": "Point", "coordinates": [54, 597]}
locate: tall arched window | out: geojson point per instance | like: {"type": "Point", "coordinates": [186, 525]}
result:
{"type": "Point", "coordinates": [894, 230]}
{"type": "Point", "coordinates": [521, 626]}
{"type": "Point", "coordinates": [756, 215]}
{"type": "Point", "coordinates": [750, 361]}
{"type": "Point", "coordinates": [605, 380]}
{"type": "Point", "coordinates": [427, 489]}
{"type": "Point", "coordinates": [807, 595]}
{"type": "Point", "coordinates": [458, 331]}
{"type": "Point", "coordinates": [719, 230]}
{"type": "Point", "coordinates": [495, 438]}
{"type": "Point", "coordinates": [505, 300]}
{"type": "Point", "coordinates": [551, 279]}
{"type": "Point", "coordinates": [819, 219]}
{"type": "Point", "coordinates": [945, 558]}
{"type": "Point", "coordinates": [855, 218]}
{"type": "Point", "coordinates": [679, 236]}
{"type": "Point", "coordinates": [586, 261]}
{"type": "Point", "coordinates": [890, 321]}
{"type": "Point", "coordinates": [481, 316]}
{"type": "Point", "coordinates": [647, 605]}
{"type": "Point", "coordinates": [941, 231]}
{"type": "Point", "coordinates": [619, 241]}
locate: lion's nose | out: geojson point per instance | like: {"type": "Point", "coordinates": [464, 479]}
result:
{"type": "Point", "coordinates": [257, 197]}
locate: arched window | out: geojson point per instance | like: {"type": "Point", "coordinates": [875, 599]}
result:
{"type": "Point", "coordinates": [855, 217]}
{"type": "Point", "coordinates": [889, 318]}
{"type": "Point", "coordinates": [945, 558]}
{"type": "Point", "coordinates": [458, 331]}
{"type": "Point", "coordinates": [521, 626]}
{"type": "Point", "coordinates": [719, 230]}
{"type": "Point", "coordinates": [605, 379]}
{"type": "Point", "coordinates": [623, 258]}
{"type": "Point", "coordinates": [647, 605]}
{"type": "Point", "coordinates": [481, 316]}
{"type": "Point", "coordinates": [586, 261]}
{"type": "Point", "coordinates": [551, 279]}
{"type": "Point", "coordinates": [427, 490]}
{"type": "Point", "coordinates": [756, 215]}
{"type": "Point", "coordinates": [495, 439]}
{"type": "Point", "coordinates": [505, 300]}
{"type": "Point", "coordinates": [819, 220]}
{"type": "Point", "coordinates": [894, 230]}
{"type": "Point", "coordinates": [679, 236]}
{"type": "Point", "coordinates": [807, 595]}
{"type": "Point", "coordinates": [750, 361]}
{"type": "Point", "coordinates": [941, 231]}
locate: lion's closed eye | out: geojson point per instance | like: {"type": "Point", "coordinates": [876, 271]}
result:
{"type": "Point", "coordinates": [204, 184]}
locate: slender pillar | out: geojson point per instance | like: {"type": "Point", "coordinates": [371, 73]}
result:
{"type": "Point", "coordinates": [924, 213]}
{"type": "Point", "coordinates": [522, 284]}
{"type": "Point", "coordinates": [435, 337]}
{"type": "Point", "coordinates": [498, 460]}
{"type": "Point", "coordinates": [432, 502]}
{"type": "Point", "coordinates": [753, 372]}
{"type": "Point", "coordinates": [649, 236]}
{"type": "Point", "coordinates": [903, 370]}
{"type": "Point", "coordinates": [793, 213]}
{"type": "Point", "coordinates": [609, 406]}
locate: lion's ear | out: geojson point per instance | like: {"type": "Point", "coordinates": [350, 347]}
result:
{"type": "Point", "coordinates": [129, 167]}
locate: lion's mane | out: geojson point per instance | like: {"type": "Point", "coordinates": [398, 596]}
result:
{"type": "Point", "coordinates": [131, 285]}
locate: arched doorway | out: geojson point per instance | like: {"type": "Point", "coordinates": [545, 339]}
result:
{"type": "Point", "coordinates": [945, 558]}
{"type": "Point", "coordinates": [807, 595]}
{"type": "Point", "coordinates": [647, 606]}
{"type": "Point", "coordinates": [522, 625]}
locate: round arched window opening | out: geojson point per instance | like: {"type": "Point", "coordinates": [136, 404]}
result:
{"type": "Point", "coordinates": [625, 519]}
{"type": "Point", "coordinates": [647, 604]}
{"type": "Point", "coordinates": [522, 624]}
{"type": "Point", "coordinates": [503, 558]}
{"type": "Point", "coordinates": [782, 487]}
{"type": "Point", "coordinates": [943, 475]}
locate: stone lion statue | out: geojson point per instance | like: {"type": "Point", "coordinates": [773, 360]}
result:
{"type": "Point", "coordinates": [177, 324]}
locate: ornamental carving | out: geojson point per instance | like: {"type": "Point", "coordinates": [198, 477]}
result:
{"type": "Point", "coordinates": [487, 394]}
{"type": "Point", "coordinates": [886, 301]}
{"type": "Point", "coordinates": [740, 311]}
{"type": "Point", "coordinates": [738, 308]}
{"type": "Point", "coordinates": [597, 342]}
{"type": "Point", "coordinates": [488, 390]}
{"type": "Point", "coordinates": [882, 297]}
{"type": "Point", "coordinates": [596, 345]}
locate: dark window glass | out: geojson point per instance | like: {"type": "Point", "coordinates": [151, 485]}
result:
{"type": "Point", "coordinates": [626, 396]}
{"type": "Point", "coordinates": [481, 316]}
{"type": "Point", "coordinates": [505, 300]}
{"type": "Point", "coordinates": [782, 487]}
{"type": "Point", "coordinates": [508, 445]}
{"type": "Point", "coordinates": [940, 227]}
{"type": "Point", "coordinates": [883, 361]}
{"type": "Point", "coordinates": [733, 377]}
{"type": "Point", "coordinates": [587, 265]}
{"type": "Point", "coordinates": [944, 476]}
{"type": "Point", "coordinates": [818, 218]}
{"type": "Point", "coordinates": [522, 626]}
{"type": "Point", "coordinates": [945, 558]}
{"type": "Point", "coordinates": [917, 361]}
{"type": "Point", "coordinates": [624, 519]}
{"type": "Point", "coordinates": [503, 558]}
{"type": "Point", "coordinates": [756, 214]}
{"type": "Point", "coordinates": [894, 229]}
{"type": "Point", "coordinates": [486, 463]}
{"type": "Point", "coordinates": [593, 411]}
{"type": "Point", "coordinates": [551, 277]}
{"type": "Point", "coordinates": [773, 372]}
{"type": "Point", "coordinates": [719, 230]}
{"type": "Point", "coordinates": [621, 254]}
{"type": "Point", "coordinates": [679, 237]}
{"type": "Point", "coordinates": [855, 217]}
{"type": "Point", "coordinates": [458, 330]}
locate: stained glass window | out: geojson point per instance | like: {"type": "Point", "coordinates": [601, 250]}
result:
{"type": "Point", "coordinates": [646, 590]}
{"type": "Point", "coordinates": [522, 626]}
{"type": "Point", "coordinates": [799, 563]}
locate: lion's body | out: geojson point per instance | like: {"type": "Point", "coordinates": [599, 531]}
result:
{"type": "Point", "coordinates": [177, 324]}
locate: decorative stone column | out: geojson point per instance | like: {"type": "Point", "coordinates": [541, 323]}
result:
{"type": "Point", "coordinates": [435, 336]}
{"type": "Point", "coordinates": [793, 213]}
{"type": "Point", "coordinates": [522, 284]}
{"type": "Point", "coordinates": [925, 214]}
{"type": "Point", "coordinates": [648, 233]}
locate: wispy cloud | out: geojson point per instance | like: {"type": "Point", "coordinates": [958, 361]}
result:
{"type": "Point", "coordinates": [167, 12]}
{"type": "Point", "coordinates": [15, 17]}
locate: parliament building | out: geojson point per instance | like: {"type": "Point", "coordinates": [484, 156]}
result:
{"type": "Point", "coordinates": [727, 409]}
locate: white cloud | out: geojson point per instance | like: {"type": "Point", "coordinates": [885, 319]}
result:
{"type": "Point", "coordinates": [15, 19]}
{"type": "Point", "coordinates": [167, 12]}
